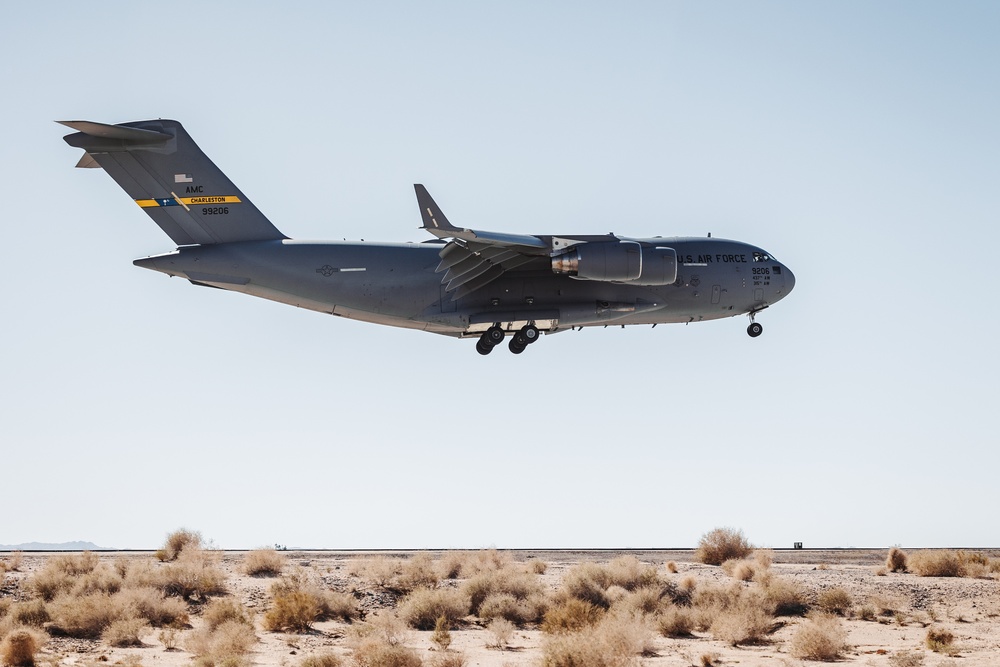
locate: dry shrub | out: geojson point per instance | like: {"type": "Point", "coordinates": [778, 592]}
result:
{"type": "Point", "coordinates": [334, 605]}
{"type": "Point", "coordinates": [940, 640]}
{"type": "Point", "coordinates": [84, 617]}
{"type": "Point", "coordinates": [32, 612]}
{"type": "Point", "coordinates": [887, 604]}
{"type": "Point", "coordinates": [896, 560]}
{"type": "Point", "coordinates": [14, 562]}
{"type": "Point", "coordinates": [675, 622]}
{"type": "Point", "coordinates": [102, 579]}
{"type": "Point", "coordinates": [220, 611]}
{"type": "Point", "coordinates": [615, 594]}
{"type": "Point", "coordinates": [330, 604]}
{"type": "Point", "coordinates": [168, 638]}
{"type": "Point", "coordinates": [936, 563]}
{"type": "Point", "coordinates": [514, 582]}
{"type": "Point", "coordinates": [906, 659]}
{"type": "Point", "coordinates": [383, 625]}
{"type": "Point", "coordinates": [421, 608]}
{"type": "Point", "coordinates": [76, 564]}
{"type": "Point", "coordinates": [505, 605]}
{"type": "Point", "coordinates": [226, 645]}
{"type": "Point", "coordinates": [834, 601]}
{"type": "Point", "coordinates": [672, 567]}
{"type": "Point", "coordinates": [19, 647]}
{"type": "Point", "coordinates": [294, 611]}
{"type": "Point", "coordinates": [588, 582]}
{"type": "Point", "coordinates": [594, 583]}
{"type": "Point", "coordinates": [125, 632]}
{"type": "Point", "coordinates": [61, 574]}
{"type": "Point", "coordinates": [486, 560]}
{"type": "Point", "coordinates": [629, 633]}
{"type": "Point", "coordinates": [263, 563]}
{"type": "Point", "coordinates": [379, 570]}
{"type": "Point", "coordinates": [441, 636]}
{"type": "Point", "coordinates": [449, 660]}
{"type": "Point", "coordinates": [866, 612]}
{"type": "Point", "coordinates": [194, 575]}
{"type": "Point", "coordinates": [149, 603]}
{"type": "Point", "coordinates": [629, 573]}
{"type": "Point", "coordinates": [739, 569]}
{"type": "Point", "coordinates": [571, 615]}
{"type": "Point", "coordinates": [322, 660]}
{"type": "Point", "coordinates": [617, 641]}
{"type": "Point", "coordinates": [177, 542]}
{"type": "Point", "coordinates": [644, 601]}
{"type": "Point", "coordinates": [821, 637]}
{"type": "Point", "coordinates": [788, 597]}
{"type": "Point", "coordinates": [722, 544]}
{"type": "Point", "coordinates": [417, 572]}
{"type": "Point", "coordinates": [376, 652]}
{"type": "Point", "coordinates": [535, 566]}
{"type": "Point", "coordinates": [735, 614]}
{"type": "Point", "coordinates": [501, 631]}
{"type": "Point", "coordinates": [450, 565]}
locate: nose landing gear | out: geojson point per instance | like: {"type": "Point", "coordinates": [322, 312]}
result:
{"type": "Point", "coordinates": [754, 329]}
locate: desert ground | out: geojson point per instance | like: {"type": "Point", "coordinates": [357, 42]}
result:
{"type": "Point", "coordinates": [883, 617]}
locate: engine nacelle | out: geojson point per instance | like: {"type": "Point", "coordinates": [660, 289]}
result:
{"type": "Point", "coordinates": [618, 262]}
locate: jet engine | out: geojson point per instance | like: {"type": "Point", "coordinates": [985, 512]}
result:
{"type": "Point", "coordinates": [618, 262]}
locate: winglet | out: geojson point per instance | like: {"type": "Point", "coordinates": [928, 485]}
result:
{"type": "Point", "coordinates": [434, 220]}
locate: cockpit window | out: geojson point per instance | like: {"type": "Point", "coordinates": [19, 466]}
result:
{"type": "Point", "coordinates": [763, 257]}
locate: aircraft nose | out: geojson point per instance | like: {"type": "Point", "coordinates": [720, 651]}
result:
{"type": "Point", "coordinates": [789, 280]}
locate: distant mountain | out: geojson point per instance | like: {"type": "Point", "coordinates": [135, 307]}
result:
{"type": "Point", "coordinates": [49, 546]}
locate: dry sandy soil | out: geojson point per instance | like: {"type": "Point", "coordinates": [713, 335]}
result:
{"type": "Point", "coordinates": [969, 608]}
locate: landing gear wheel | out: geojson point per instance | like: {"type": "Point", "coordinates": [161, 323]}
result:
{"type": "Point", "coordinates": [518, 343]}
{"type": "Point", "coordinates": [494, 335]}
{"type": "Point", "coordinates": [755, 329]}
{"type": "Point", "coordinates": [483, 349]}
{"type": "Point", "coordinates": [530, 333]}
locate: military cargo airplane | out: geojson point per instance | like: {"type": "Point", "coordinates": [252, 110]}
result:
{"type": "Point", "coordinates": [464, 283]}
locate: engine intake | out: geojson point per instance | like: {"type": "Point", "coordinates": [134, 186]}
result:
{"type": "Point", "coordinates": [618, 262]}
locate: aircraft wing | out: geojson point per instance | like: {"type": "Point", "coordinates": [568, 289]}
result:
{"type": "Point", "coordinates": [473, 259]}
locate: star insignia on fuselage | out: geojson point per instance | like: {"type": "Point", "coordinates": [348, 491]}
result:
{"type": "Point", "coordinates": [326, 270]}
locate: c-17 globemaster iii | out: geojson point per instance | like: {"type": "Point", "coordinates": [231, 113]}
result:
{"type": "Point", "coordinates": [465, 283]}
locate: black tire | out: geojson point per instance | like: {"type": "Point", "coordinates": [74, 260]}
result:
{"type": "Point", "coordinates": [517, 344]}
{"type": "Point", "coordinates": [530, 333]}
{"type": "Point", "coordinates": [755, 329]}
{"type": "Point", "coordinates": [483, 349]}
{"type": "Point", "coordinates": [494, 335]}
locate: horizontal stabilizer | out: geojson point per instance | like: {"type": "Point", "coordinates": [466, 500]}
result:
{"type": "Point", "coordinates": [105, 131]}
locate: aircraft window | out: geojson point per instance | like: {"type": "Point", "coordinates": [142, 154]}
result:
{"type": "Point", "coordinates": [762, 257]}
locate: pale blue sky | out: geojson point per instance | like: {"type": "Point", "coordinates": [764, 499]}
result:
{"type": "Point", "coordinates": [857, 141]}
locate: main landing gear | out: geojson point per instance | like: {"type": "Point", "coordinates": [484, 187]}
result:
{"type": "Point", "coordinates": [755, 329]}
{"type": "Point", "coordinates": [493, 336]}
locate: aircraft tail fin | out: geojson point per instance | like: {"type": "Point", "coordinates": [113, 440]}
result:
{"type": "Point", "coordinates": [160, 167]}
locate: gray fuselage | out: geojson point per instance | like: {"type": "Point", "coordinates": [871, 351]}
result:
{"type": "Point", "coordinates": [396, 284]}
